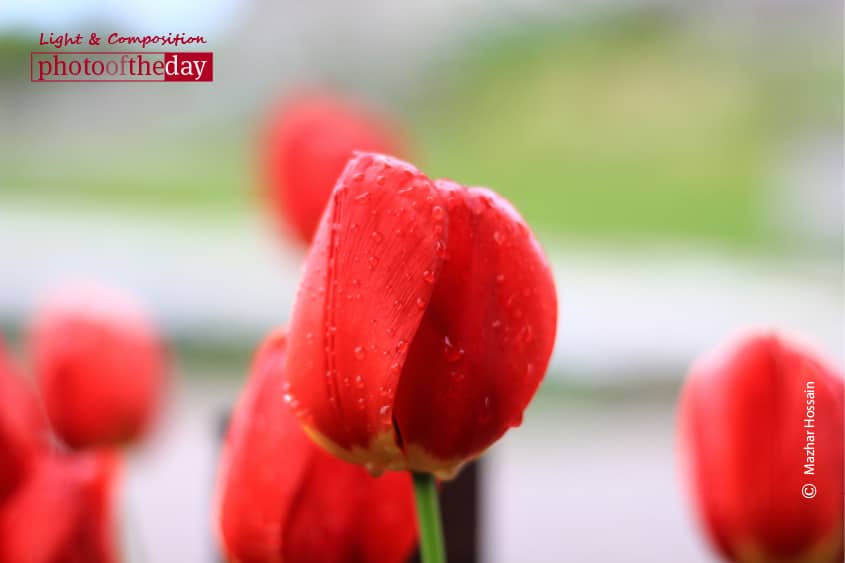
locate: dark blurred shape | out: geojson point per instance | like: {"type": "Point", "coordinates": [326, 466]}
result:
{"type": "Point", "coordinates": [459, 500]}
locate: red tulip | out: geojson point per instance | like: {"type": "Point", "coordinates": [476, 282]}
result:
{"type": "Point", "coordinates": [307, 144]}
{"type": "Point", "coordinates": [99, 365]}
{"type": "Point", "coordinates": [761, 430]}
{"type": "Point", "coordinates": [424, 321]}
{"type": "Point", "coordinates": [62, 512]}
{"type": "Point", "coordinates": [23, 431]}
{"type": "Point", "coordinates": [284, 499]}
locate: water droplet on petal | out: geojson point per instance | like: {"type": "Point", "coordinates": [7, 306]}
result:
{"type": "Point", "coordinates": [362, 197]}
{"type": "Point", "coordinates": [500, 278]}
{"type": "Point", "coordinates": [361, 403]}
{"type": "Point", "coordinates": [380, 180]}
{"type": "Point", "coordinates": [360, 353]}
{"type": "Point", "coordinates": [373, 260]}
{"type": "Point", "coordinates": [428, 276]}
{"type": "Point", "coordinates": [390, 330]}
{"type": "Point", "coordinates": [440, 249]}
{"type": "Point", "coordinates": [498, 237]}
{"type": "Point", "coordinates": [331, 329]}
{"type": "Point", "coordinates": [385, 415]}
{"type": "Point", "coordinates": [358, 177]}
{"type": "Point", "coordinates": [401, 345]}
{"type": "Point", "coordinates": [451, 352]}
{"type": "Point", "coordinates": [377, 237]}
{"type": "Point", "coordinates": [359, 381]}
{"type": "Point", "coordinates": [496, 323]}
{"type": "Point", "coordinates": [420, 303]}
{"type": "Point", "coordinates": [526, 334]}
{"type": "Point", "coordinates": [437, 213]}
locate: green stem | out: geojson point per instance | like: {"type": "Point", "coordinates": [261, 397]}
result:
{"type": "Point", "coordinates": [428, 515]}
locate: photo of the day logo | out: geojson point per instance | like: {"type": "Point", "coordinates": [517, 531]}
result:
{"type": "Point", "coordinates": [68, 63]}
{"type": "Point", "coordinates": [121, 67]}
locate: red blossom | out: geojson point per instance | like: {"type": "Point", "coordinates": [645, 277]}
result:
{"type": "Point", "coordinates": [304, 149]}
{"type": "Point", "coordinates": [745, 446]}
{"type": "Point", "coordinates": [424, 321]}
{"type": "Point", "coordinates": [281, 498]}
{"type": "Point", "coordinates": [99, 365]}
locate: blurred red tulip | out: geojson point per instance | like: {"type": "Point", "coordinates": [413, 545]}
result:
{"type": "Point", "coordinates": [284, 499]}
{"type": "Point", "coordinates": [23, 430]}
{"type": "Point", "coordinates": [754, 420]}
{"type": "Point", "coordinates": [99, 365]}
{"type": "Point", "coordinates": [424, 321]}
{"type": "Point", "coordinates": [62, 512]}
{"type": "Point", "coordinates": [307, 144]}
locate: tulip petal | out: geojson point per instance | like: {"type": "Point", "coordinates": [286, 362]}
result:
{"type": "Point", "coordinates": [98, 363]}
{"type": "Point", "coordinates": [38, 521]}
{"type": "Point", "coordinates": [62, 512]}
{"type": "Point", "coordinates": [285, 499]}
{"type": "Point", "coordinates": [308, 143]}
{"type": "Point", "coordinates": [485, 340]}
{"type": "Point", "coordinates": [344, 514]}
{"type": "Point", "coordinates": [257, 487]}
{"type": "Point", "coordinates": [742, 432]}
{"type": "Point", "coordinates": [367, 282]}
{"type": "Point", "coordinates": [23, 429]}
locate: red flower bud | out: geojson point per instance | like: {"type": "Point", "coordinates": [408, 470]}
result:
{"type": "Point", "coordinates": [23, 430]}
{"type": "Point", "coordinates": [99, 365]}
{"type": "Point", "coordinates": [424, 321]}
{"type": "Point", "coordinates": [281, 498]}
{"type": "Point", "coordinates": [62, 512]}
{"type": "Point", "coordinates": [761, 435]}
{"type": "Point", "coordinates": [305, 148]}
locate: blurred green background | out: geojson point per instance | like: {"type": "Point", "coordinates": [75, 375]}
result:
{"type": "Point", "coordinates": [613, 126]}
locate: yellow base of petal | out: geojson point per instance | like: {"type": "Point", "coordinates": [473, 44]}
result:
{"type": "Point", "coordinates": [383, 454]}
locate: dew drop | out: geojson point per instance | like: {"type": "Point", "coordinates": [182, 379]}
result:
{"type": "Point", "coordinates": [359, 381]}
{"type": "Point", "coordinates": [358, 177]}
{"type": "Point", "coordinates": [362, 197]}
{"type": "Point", "coordinates": [496, 323]}
{"type": "Point", "coordinates": [401, 345]}
{"type": "Point", "coordinates": [428, 276]}
{"type": "Point", "coordinates": [360, 353]}
{"type": "Point", "coordinates": [373, 260]}
{"type": "Point", "coordinates": [377, 237]}
{"type": "Point", "coordinates": [500, 278]}
{"type": "Point", "coordinates": [406, 190]}
{"type": "Point", "coordinates": [397, 304]}
{"type": "Point", "coordinates": [390, 330]}
{"type": "Point", "coordinates": [451, 352]}
{"type": "Point", "coordinates": [361, 403]}
{"type": "Point", "coordinates": [498, 237]}
{"type": "Point", "coordinates": [440, 249]}
{"type": "Point", "coordinates": [437, 213]}
{"type": "Point", "coordinates": [385, 415]}
{"type": "Point", "coordinates": [526, 334]}
{"type": "Point", "coordinates": [331, 329]}
{"type": "Point", "coordinates": [420, 303]}
{"type": "Point", "coordinates": [380, 180]}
